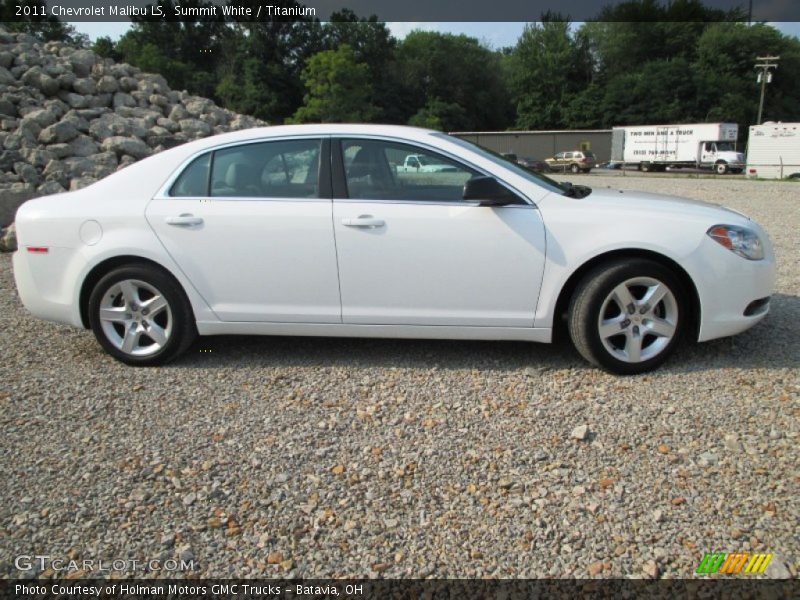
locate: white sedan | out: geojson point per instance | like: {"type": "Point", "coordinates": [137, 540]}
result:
{"type": "Point", "coordinates": [308, 230]}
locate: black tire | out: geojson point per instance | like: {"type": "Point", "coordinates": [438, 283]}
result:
{"type": "Point", "coordinates": [645, 167]}
{"type": "Point", "coordinates": [183, 328]}
{"type": "Point", "coordinates": [721, 168]}
{"type": "Point", "coordinates": [587, 302]}
{"type": "Point", "coordinates": [575, 169]}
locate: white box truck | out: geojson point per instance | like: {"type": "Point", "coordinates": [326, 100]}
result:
{"type": "Point", "coordinates": [773, 150]}
{"type": "Point", "coordinates": [698, 145]}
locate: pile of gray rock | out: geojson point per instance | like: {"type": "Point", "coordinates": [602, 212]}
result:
{"type": "Point", "coordinates": [69, 117]}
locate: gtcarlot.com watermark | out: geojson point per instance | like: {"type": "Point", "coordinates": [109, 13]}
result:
{"type": "Point", "coordinates": [45, 562]}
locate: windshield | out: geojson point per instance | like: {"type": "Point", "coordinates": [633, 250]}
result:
{"type": "Point", "coordinates": [550, 185]}
{"type": "Point", "coordinates": [725, 147]}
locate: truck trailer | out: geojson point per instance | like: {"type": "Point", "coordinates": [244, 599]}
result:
{"type": "Point", "coordinates": [698, 145]}
{"type": "Point", "coordinates": [773, 151]}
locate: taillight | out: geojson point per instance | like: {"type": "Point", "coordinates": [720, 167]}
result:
{"type": "Point", "coordinates": [38, 249]}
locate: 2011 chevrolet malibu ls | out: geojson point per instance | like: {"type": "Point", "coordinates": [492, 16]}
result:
{"type": "Point", "coordinates": [328, 230]}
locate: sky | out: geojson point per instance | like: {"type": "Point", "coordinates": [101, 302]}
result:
{"type": "Point", "coordinates": [494, 35]}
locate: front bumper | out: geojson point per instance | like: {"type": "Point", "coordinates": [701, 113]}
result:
{"type": "Point", "coordinates": [733, 291]}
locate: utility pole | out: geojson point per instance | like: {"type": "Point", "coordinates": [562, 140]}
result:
{"type": "Point", "coordinates": [765, 76]}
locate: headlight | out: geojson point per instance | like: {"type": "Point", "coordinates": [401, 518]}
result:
{"type": "Point", "coordinates": [738, 240]}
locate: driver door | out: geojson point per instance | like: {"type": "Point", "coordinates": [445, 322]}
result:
{"type": "Point", "coordinates": [709, 153]}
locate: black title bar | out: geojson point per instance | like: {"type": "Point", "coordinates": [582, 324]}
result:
{"type": "Point", "coordinates": [413, 10]}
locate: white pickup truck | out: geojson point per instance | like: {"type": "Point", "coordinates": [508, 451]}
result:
{"type": "Point", "coordinates": [417, 163]}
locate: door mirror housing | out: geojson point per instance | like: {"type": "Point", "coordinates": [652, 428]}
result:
{"type": "Point", "coordinates": [489, 192]}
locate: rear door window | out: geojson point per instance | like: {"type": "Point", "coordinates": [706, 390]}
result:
{"type": "Point", "coordinates": [279, 169]}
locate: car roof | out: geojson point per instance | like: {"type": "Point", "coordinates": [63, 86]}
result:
{"type": "Point", "coordinates": [149, 174]}
{"type": "Point", "coordinates": [276, 131]}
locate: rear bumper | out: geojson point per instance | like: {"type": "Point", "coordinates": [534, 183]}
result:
{"type": "Point", "coordinates": [42, 286]}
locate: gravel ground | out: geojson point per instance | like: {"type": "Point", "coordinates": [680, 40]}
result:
{"type": "Point", "coordinates": [321, 457]}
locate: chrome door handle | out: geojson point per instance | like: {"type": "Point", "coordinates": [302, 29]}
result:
{"type": "Point", "coordinates": [184, 220]}
{"type": "Point", "coordinates": [366, 221]}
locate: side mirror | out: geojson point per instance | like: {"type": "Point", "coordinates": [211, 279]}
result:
{"type": "Point", "coordinates": [489, 192]}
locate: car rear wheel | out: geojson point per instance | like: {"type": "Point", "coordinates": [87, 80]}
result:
{"type": "Point", "coordinates": [575, 169]}
{"type": "Point", "coordinates": [627, 316]}
{"type": "Point", "coordinates": [141, 316]}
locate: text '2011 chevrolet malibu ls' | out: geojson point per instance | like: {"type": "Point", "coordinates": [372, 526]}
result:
{"type": "Point", "coordinates": [382, 231]}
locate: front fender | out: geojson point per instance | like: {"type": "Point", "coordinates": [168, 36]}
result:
{"type": "Point", "coordinates": [574, 238]}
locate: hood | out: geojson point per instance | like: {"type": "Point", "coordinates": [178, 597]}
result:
{"type": "Point", "coordinates": [659, 203]}
{"type": "Point", "coordinates": [731, 156]}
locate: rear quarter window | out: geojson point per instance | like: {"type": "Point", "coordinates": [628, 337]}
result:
{"type": "Point", "coordinates": [194, 179]}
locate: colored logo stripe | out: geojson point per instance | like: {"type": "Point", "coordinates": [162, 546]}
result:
{"type": "Point", "coordinates": [758, 562]}
{"type": "Point", "coordinates": [732, 563]}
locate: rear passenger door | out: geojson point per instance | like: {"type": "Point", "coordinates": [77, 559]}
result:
{"type": "Point", "coordinates": [250, 227]}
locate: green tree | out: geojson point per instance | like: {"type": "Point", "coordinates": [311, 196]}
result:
{"type": "Point", "coordinates": [444, 116]}
{"type": "Point", "coordinates": [547, 68]}
{"type": "Point", "coordinates": [187, 53]}
{"type": "Point", "coordinates": [633, 33]}
{"type": "Point", "coordinates": [105, 47]}
{"type": "Point", "coordinates": [726, 86]}
{"type": "Point", "coordinates": [661, 91]}
{"type": "Point", "coordinates": [456, 70]}
{"type": "Point", "coordinates": [150, 58]}
{"type": "Point", "coordinates": [338, 88]}
{"type": "Point", "coordinates": [261, 64]}
{"type": "Point", "coordinates": [584, 109]}
{"type": "Point", "coordinates": [374, 46]}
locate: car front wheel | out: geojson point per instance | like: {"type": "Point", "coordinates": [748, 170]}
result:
{"type": "Point", "coordinates": [627, 316]}
{"type": "Point", "coordinates": [141, 316]}
{"type": "Point", "coordinates": [575, 169]}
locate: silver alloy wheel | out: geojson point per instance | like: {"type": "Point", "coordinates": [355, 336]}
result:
{"type": "Point", "coordinates": [638, 319]}
{"type": "Point", "coordinates": [135, 317]}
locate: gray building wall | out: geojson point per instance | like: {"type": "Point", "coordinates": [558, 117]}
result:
{"type": "Point", "coordinates": [543, 144]}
